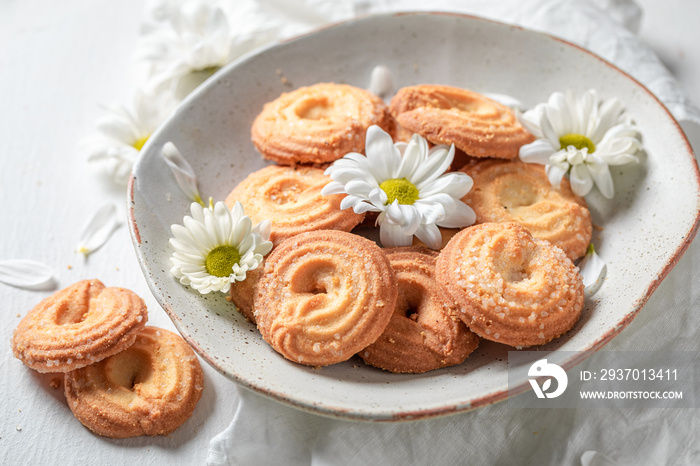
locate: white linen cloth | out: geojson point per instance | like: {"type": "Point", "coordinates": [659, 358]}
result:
{"type": "Point", "coordinates": [265, 432]}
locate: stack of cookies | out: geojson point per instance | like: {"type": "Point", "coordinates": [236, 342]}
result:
{"type": "Point", "coordinates": [326, 294]}
{"type": "Point", "coordinates": [122, 378]}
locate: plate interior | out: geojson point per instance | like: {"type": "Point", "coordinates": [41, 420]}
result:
{"type": "Point", "coordinates": [643, 230]}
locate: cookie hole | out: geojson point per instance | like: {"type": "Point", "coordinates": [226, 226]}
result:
{"type": "Point", "coordinates": [71, 313]}
{"type": "Point", "coordinates": [410, 300]}
{"type": "Point", "coordinates": [411, 313]}
{"type": "Point", "coordinates": [129, 368]}
{"type": "Point", "coordinates": [315, 109]}
{"type": "Point", "coordinates": [516, 194]}
{"type": "Point", "coordinates": [314, 279]}
{"type": "Point", "coordinates": [285, 192]}
{"type": "Point", "coordinates": [515, 275]}
{"type": "Point", "coordinates": [468, 105]}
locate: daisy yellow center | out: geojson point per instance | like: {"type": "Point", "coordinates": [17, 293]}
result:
{"type": "Point", "coordinates": [221, 259]}
{"type": "Point", "coordinates": [138, 144]}
{"type": "Point", "coordinates": [400, 190]}
{"type": "Point", "coordinates": [579, 141]}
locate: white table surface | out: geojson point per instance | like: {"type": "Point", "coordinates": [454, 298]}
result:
{"type": "Point", "coordinates": [58, 62]}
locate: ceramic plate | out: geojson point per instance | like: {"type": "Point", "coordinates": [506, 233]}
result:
{"type": "Point", "coordinates": [645, 229]}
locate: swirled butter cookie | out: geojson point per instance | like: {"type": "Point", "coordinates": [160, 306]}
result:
{"type": "Point", "coordinates": [78, 326]}
{"type": "Point", "coordinates": [317, 124]}
{"type": "Point", "coordinates": [243, 293]}
{"type": "Point", "coordinates": [510, 287]}
{"type": "Point", "coordinates": [150, 388]}
{"type": "Point", "coordinates": [424, 333]}
{"type": "Point", "coordinates": [290, 198]}
{"type": "Point", "coordinates": [472, 122]}
{"type": "Point", "coordinates": [506, 191]}
{"type": "Point", "coordinates": [324, 296]}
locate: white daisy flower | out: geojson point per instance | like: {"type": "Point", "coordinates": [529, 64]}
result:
{"type": "Point", "coordinates": [217, 246]}
{"type": "Point", "coordinates": [582, 137]}
{"type": "Point", "coordinates": [406, 184]}
{"type": "Point", "coordinates": [122, 132]}
{"type": "Point", "coordinates": [186, 43]}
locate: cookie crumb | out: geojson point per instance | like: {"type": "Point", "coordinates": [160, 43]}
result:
{"type": "Point", "coordinates": [55, 383]}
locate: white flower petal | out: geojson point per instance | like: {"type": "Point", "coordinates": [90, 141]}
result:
{"type": "Point", "coordinates": [581, 179]}
{"type": "Point", "coordinates": [391, 236]}
{"type": "Point", "coordinates": [587, 112]}
{"type": "Point", "coordinates": [358, 187]}
{"type": "Point", "coordinates": [382, 156]}
{"type": "Point", "coordinates": [182, 171]}
{"type": "Point", "coordinates": [406, 216]}
{"type": "Point", "coordinates": [430, 235]}
{"type": "Point", "coordinates": [411, 218]}
{"type": "Point", "coordinates": [505, 99]}
{"type": "Point", "coordinates": [592, 269]}
{"type": "Point", "coordinates": [438, 161]}
{"type": "Point", "coordinates": [455, 184]}
{"type": "Point", "coordinates": [531, 120]}
{"type": "Point", "coordinates": [27, 274]}
{"type": "Point", "coordinates": [430, 211]}
{"type": "Point", "coordinates": [263, 230]}
{"type": "Point", "coordinates": [555, 173]}
{"type": "Point", "coordinates": [412, 156]}
{"type": "Point", "coordinates": [558, 114]}
{"type": "Point", "coordinates": [610, 111]}
{"type": "Point", "coordinates": [98, 230]}
{"type": "Point", "coordinates": [602, 178]}
{"type": "Point", "coordinates": [333, 187]}
{"type": "Point", "coordinates": [378, 198]}
{"type": "Point", "coordinates": [457, 215]}
{"type": "Point", "coordinates": [548, 131]}
{"type": "Point", "coordinates": [381, 82]}
{"type": "Point", "coordinates": [362, 207]}
{"type": "Point", "coordinates": [350, 201]}
{"type": "Point", "coordinates": [538, 151]}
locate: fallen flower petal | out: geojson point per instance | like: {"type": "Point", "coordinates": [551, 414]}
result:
{"type": "Point", "coordinates": [27, 274]}
{"type": "Point", "coordinates": [182, 171]}
{"type": "Point", "coordinates": [98, 230]}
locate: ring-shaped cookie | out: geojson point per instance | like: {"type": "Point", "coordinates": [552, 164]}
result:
{"type": "Point", "coordinates": [317, 124]}
{"type": "Point", "coordinates": [78, 326]}
{"type": "Point", "coordinates": [472, 122]}
{"type": "Point", "coordinates": [510, 287]}
{"type": "Point", "coordinates": [243, 293]}
{"type": "Point", "coordinates": [290, 198]}
{"type": "Point", "coordinates": [513, 191]}
{"type": "Point", "coordinates": [151, 388]}
{"type": "Point", "coordinates": [324, 296]}
{"type": "Point", "coordinates": [424, 333]}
